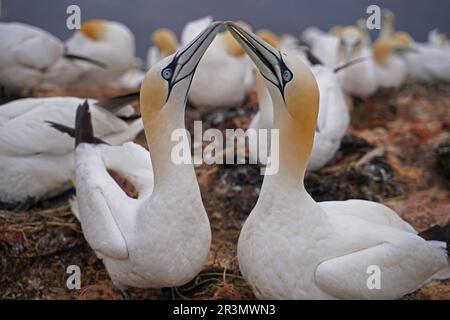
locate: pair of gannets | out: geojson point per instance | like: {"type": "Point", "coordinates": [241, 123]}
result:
{"type": "Point", "coordinates": [110, 42]}
{"type": "Point", "coordinates": [36, 161]}
{"type": "Point", "coordinates": [162, 238]}
{"type": "Point", "coordinates": [28, 53]}
{"type": "Point", "coordinates": [292, 247]}
{"type": "Point", "coordinates": [333, 118]}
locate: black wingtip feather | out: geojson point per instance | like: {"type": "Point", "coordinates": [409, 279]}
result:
{"type": "Point", "coordinates": [114, 104]}
{"type": "Point", "coordinates": [438, 233]}
{"type": "Point", "coordinates": [62, 128]}
{"type": "Point", "coordinates": [84, 133]}
{"type": "Point", "coordinates": [72, 56]}
{"type": "Point", "coordinates": [312, 58]}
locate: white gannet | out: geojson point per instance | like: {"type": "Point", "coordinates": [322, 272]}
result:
{"type": "Point", "coordinates": [36, 161]}
{"type": "Point", "coordinates": [27, 54]}
{"type": "Point", "coordinates": [359, 79]}
{"type": "Point", "coordinates": [162, 238]}
{"type": "Point", "coordinates": [424, 61]}
{"type": "Point", "coordinates": [389, 63]}
{"type": "Point", "coordinates": [292, 247]}
{"type": "Point", "coordinates": [438, 39]}
{"type": "Point", "coordinates": [233, 71]}
{"type": "Point", "coordinates": [164, 43]}
{"type": "Point", "coordinates": [323, 45]}
{"type": "Point", "coordinates": [333, 119]}
{"type": "Point", "coordinates": [110, 42]}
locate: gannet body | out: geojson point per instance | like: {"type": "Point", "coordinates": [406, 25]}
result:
{"type": "Point", "coordinates": [323, 45]}
{"type": "Point", "coordinates": [425, 62]}
{"type": "Point", "coordinates": [162, 238]}
{"type": "Point", "coordinates": [437, 39]}
{"type": "Point", "coordinates": [36, 161]}
{"type": "Point", "coordinates": [359, 79]}
{"type": "Point", "coordinates": [292, 247]}
{"type": "Point", "coordinates": [234, 75]}
{"type": "Point", "coordinates": [390, 66]}
{"type": "Point", "coordinates": [110, 42]}
{"type": "Point", "coordinates": [26, 55]}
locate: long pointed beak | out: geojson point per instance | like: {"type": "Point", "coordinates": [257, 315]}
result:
{"type": "Point", "coordinates": [187, 58]}
{"type": "Point", "coordinates": [267, 59]}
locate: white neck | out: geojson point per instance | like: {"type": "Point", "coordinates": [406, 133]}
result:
{"type": "Point", "coordinates": [264, 103]}
{"type": "Point", "coordinates": [168, 176]}
{"type": "Point", "coordinates": [296, 123]}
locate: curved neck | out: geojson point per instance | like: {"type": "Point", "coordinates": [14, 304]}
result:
{"type": "Point", "coordinates": [169, 175]}
{"type": "Point", "coordinates": [296, 137]}
{"type": "Point", "coordinates": [264, 103]}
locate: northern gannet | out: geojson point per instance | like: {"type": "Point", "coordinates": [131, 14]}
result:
{"type": "Point", "coordinates": [27, 54]}
{"type": "Point", "coordinates": [359, 79]}
{"type": "Point", "coordinates": [233, 71]}
{"type": "Point", "coordinates": [36, 161]}
{"type": "Point", "coordinates": [323, 45]}
{"type": "Point", "coordinates": [424, 61]}
{"type": "Point", "coordinates": [164, 43]}
{"type": "Point", "coordinates": [107, 41]}
{"type": "Point", "coordinates": [438, 39]}
{"type": "Point", "coordinates": [162, 238]}
{"type": "Point", "coordinates": [292, 247]}
{"type": "Point", "coordinates": [333, 119]}
{"type": "Point", "coordinates": [389, 63]}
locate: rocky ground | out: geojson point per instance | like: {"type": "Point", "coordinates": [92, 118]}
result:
{"type": "Point", "coordinates": [397, 152]}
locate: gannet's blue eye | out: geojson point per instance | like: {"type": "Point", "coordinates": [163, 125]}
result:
{"type": "Point", "coordinates": [167, 73]}
{"type": "Point", "coordinates": [287, 75]}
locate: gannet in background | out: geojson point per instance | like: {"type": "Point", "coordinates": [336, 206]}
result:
{"type": "Point", "coordinates": [107, 41]}
{"type": "Point", "coordinates": [390, 66]}
{"type": "Point", "coordinates": [359, 79]}
{"type": "Point", "coordinates": [162, 238]}
{"type": "Point", "coordinates": [333, 119]}
{"type": "Point", "coordinates": [233, 71]}
{"type": "Point", "coordinates": [361, 24]}
{"type": "Point", "coordinates": [323, 45]}
{"type": "Point", "coordinates": [27, 54]}
{"type": "Point", "coordinates": [36, 161]}
{"type": "Point", "coordinates": [424, 61]}
{"type": "Point", "coordinates": [164, 43]}
{"type": "Point", "coordinates": [292, 247]}
{"type": "Point", "coordinates": [133, 77]}
{"type": "Point", "coordinates": [438, 39]}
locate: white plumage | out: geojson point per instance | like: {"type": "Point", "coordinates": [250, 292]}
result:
{"type": "Point", "coordinates": [162, 238]}
{"type": "Point", "coordinates": [36, 161]}
{"type": "Point", "coordinates": [292, 247]}
{"type": "Point", "coordinates": [108, 42]}
{"type": "Point", "coordinates": [26, 55]}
